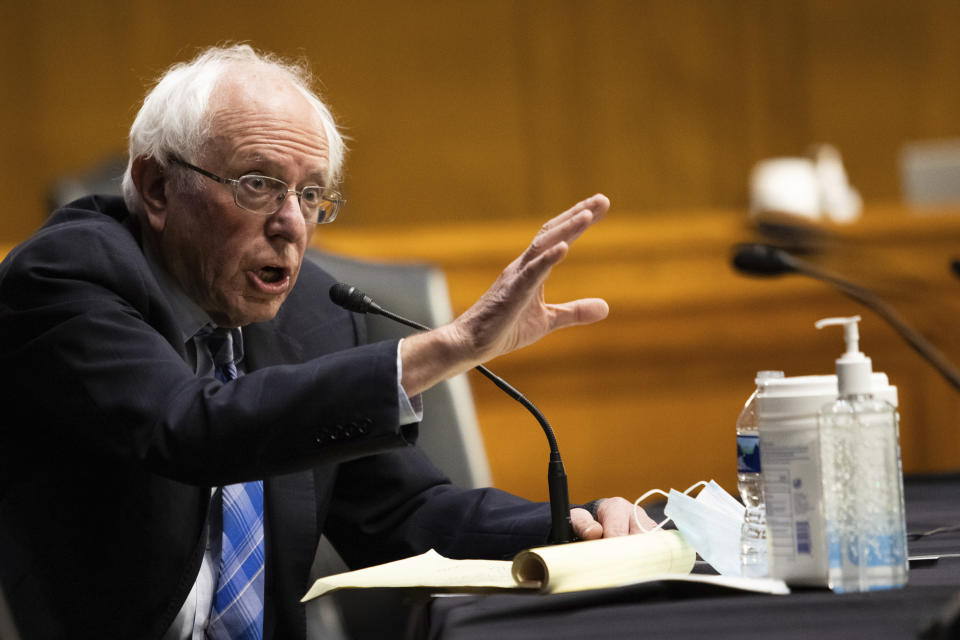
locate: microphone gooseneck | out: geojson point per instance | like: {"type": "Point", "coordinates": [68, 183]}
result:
{"type": "Point", "coordinates": [561, 530]}
{"type": "Point", "coordinates": [757, 259]}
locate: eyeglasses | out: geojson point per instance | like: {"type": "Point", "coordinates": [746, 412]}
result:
{"type": "Point", "coordinates": [266, 195]}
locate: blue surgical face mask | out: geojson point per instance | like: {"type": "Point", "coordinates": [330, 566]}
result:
{"type": "Point", "coordinates": [710, 523]}
{"type": "Point", "coordinates": [641, 499]}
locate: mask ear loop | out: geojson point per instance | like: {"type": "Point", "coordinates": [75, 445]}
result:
{"type": "Point", "coordinates": [636, 508]}
{"type": "Point", "coordinates": [636, 504]}
{"type": "Point", "coordinates": [702, 483]}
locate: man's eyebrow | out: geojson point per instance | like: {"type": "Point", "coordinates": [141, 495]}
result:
{"type": "Point", "coordinates": [260, 160]}
{"type": "Point", "coordinates": [319, 176]}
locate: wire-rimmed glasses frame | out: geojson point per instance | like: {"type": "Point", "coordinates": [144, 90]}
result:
{"type": "Point", "coordinates": [264, 195]}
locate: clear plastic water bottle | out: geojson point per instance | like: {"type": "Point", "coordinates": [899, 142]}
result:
{"type": "Point", "coordinates": [754, 554]}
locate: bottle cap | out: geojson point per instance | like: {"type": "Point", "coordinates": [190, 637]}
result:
{"type": "Point", "coordinates": [763, 376]}
{"type": "Point", "coordinates": [853, 367]}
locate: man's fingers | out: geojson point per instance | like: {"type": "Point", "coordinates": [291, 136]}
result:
{"type": "Point", "coordinates": [614, 516]}
{"type": "Point", "coordinates": [551, 245]}
{"type": "Point", "coordinates": [535, 269]}
{"type": "Point", "coordinates": [578, 312]}
{"type": "Point", "coordinates": [562, 234]}
{"type": "Point", "coordinates": [598, 204]}
{"type": "Point", "coordinates": [646, 522]}
{"type": "Point", "coordinates": [513, 312]}
{"type": "Point", "coordinates": [569, 225]}
{"type": "Point", "coordinates": [584, 526]}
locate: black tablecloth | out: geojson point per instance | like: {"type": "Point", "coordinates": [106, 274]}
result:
{"type": "Point", "coordinates": [677, 611]}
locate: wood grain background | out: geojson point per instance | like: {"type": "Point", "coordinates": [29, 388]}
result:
{"type": "Point", "coordinates": [502, 109]}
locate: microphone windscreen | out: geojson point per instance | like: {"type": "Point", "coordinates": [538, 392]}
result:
{"type": "Point", "coordinates": [349, 297]}
{"type": "Point", "coordinates": [955, 266]}
{"type": "Point", "coordinates": [760, 259]}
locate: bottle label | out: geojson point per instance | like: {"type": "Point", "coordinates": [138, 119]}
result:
{"type": "Point", "coordinates": [803, 538]}
{"type": "Point", "coordinates": [748, 453]}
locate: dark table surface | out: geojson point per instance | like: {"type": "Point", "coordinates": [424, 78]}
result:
{"type": "Point", "coordinates": [677, 611]}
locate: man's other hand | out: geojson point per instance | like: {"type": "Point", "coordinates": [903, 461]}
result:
{"type": "Point", "coordinates": [614, 518]}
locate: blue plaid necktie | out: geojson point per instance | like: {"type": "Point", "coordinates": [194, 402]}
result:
{"type": "Point", "coordinates": [237, 611]}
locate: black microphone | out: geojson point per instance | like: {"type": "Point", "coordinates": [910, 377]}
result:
{"type": "Point", "coordinates": [761, 259]}
{"type": "Point", "coordinates": [352, 299]}
{"type": "Point", "coordinates": [757, 259]}
{"type": "Point", "coordinates": [561, 529]}
{"type": "Point", "coordinates": [955, 267]}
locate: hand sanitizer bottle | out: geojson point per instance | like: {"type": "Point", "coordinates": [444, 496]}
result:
{"type": "Point", "coordinates": [862, 479]}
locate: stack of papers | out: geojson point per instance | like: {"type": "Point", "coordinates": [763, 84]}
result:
{"type": "Point", "coordinates": [578, 566]}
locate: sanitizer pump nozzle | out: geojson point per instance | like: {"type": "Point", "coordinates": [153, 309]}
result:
{"type": "Point", "coordinates": [853, 367]}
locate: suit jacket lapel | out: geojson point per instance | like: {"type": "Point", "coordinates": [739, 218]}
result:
{"type": "Point", "coordinates": [290, 503]}
{"type": "Point", "coordinates": [265, 345]}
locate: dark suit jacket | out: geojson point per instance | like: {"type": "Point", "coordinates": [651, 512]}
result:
{"type": "Point", "coordinates": [109, 443]}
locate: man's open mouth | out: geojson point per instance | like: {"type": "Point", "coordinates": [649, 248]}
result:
{"type": "Point", "coordinates": [271, 275]}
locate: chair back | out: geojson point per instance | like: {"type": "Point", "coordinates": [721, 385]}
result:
{"type": "Point", "coordinates": [449, 433]}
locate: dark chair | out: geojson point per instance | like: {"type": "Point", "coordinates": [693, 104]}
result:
{"type": "Point", "coordinates": [449, 432]}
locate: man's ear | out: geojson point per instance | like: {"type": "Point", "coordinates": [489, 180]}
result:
{"type": "Point", "coordinates": [150, 181]}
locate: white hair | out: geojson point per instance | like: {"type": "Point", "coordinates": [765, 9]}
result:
{"type": "Point", "coordinates": [175, 119]}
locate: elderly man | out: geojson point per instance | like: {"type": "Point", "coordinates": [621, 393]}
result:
{"type": "Point", "coordinates": [173, 373]}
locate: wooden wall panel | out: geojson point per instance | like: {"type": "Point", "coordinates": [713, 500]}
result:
{"type": "Point", "coordinates": [878, 78]}
{"type": "Point", "coordinates": [509, 108]}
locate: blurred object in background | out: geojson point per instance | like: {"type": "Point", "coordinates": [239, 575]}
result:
{"type": "Point", "coordinates": [103, 178]}
{"type": "Point", "coordinates": [839, 201]}
{"type": "Point", "coordinates": [930, 172]}
{"type": "Point", "coordinates": [811, 188]}
{"type": "Point", "coordinates": [786, 186]}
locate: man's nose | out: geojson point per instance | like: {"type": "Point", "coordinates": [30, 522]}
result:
{"type": "Point", "coordinates": [288, 220]}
